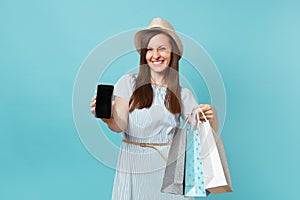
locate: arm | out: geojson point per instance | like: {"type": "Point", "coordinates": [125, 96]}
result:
{"type": "Point", "coordinates": [120, 113]}
{"type": "Point", "coordinates": [119, 118]}
{"type": "Point", "coordinates": [112, 125]}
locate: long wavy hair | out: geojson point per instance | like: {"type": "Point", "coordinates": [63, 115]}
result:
{"type": "Point", "coordinates": [142, 96]}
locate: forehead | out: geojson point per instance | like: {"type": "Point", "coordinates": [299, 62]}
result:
{"type": "Point", "coordinates": [159, 40]}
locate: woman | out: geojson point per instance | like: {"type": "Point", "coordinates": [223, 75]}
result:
{"type": "Point", "coordinates": [147, 109]}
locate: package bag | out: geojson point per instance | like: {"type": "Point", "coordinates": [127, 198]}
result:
{"type": "Point", "coordinates": [194, 177]}
{"type": "Point", "coordinates": [215, 168]}
{"type": "Point", "coordinates": [173, 180]}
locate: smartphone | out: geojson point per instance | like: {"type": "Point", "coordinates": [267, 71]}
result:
{"type": "Point", "coordinates": [104, 101]}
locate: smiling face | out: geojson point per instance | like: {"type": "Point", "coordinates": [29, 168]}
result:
{"type": "Point", "coordinates": [158, 54]}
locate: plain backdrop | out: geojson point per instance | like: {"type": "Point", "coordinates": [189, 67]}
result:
{"type": "Point", "coordinates": [255, 45]}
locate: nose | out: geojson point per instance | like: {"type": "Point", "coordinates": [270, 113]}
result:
{"type": "Point", "coordinates": [156, 54]}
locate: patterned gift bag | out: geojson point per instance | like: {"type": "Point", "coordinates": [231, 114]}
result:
{"type": "Point", "coordinates": [194, 178]}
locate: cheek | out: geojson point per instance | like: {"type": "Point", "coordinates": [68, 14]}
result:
{"type": "Point", "coordinates": [167, 55]}
{"type": "Point", "coordinates": [168, 58]}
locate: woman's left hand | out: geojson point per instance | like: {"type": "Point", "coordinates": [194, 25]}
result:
{"type": "Point", "coordinates": [211, 115]}
{"type": "Point", "coordinates": [209, 112]}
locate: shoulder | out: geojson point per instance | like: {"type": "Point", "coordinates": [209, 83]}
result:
{"type": "Point", "coordinates": [188, 98]}
{"type": "Point", "coordinates": [127, 79]}
{"type": "Point", "coordinates": [185, 93]}
{"type": "Point", "coordinates": [125, 86]}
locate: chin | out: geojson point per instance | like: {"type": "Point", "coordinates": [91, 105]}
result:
{"type": "Point", "coordinates": [158, 68]}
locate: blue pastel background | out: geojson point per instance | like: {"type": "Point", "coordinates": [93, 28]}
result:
{"type": "Point", "coordinates": [255, 45]}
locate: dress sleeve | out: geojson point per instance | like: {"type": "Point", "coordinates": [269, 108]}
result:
{"type": "Point", "coordinates": [188, 102]}
{"type": "Point", "coordinates": [125, 86]}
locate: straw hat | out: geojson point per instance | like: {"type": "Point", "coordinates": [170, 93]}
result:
{"type": "Point", "coordinates": [162, 25]}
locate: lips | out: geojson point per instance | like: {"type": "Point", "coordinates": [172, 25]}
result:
{"type": "Point", "coordinates": [158, 62]}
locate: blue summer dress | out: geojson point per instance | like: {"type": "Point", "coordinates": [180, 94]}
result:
{"type": "Point", "coordinates": [140, 170]}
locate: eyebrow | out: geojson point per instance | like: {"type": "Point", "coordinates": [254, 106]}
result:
{"type": "Point", "coordinates": [158, 46]}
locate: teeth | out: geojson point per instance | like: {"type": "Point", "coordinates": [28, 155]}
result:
{"type": "Point", "coordinates": [157, 62]}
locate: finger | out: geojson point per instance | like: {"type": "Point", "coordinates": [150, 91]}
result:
{"type": "Point", "coordinates": [209, 117]}
{"type": "Point", "coordinates": [93, 104]}
{"type": "Point", "coordinates": [209, 112]}
{"type": "Point", "coordinates": [94, 98]}
{"type": "Point", "coordinates": [205, 107]}
{"type": "Point", "coordinates": [93, 111]}
{"type": "Point", "coordinates": [208, 107]}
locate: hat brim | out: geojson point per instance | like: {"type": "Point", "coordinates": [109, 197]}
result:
{"type": "Point", "coordinates": [139, 35]}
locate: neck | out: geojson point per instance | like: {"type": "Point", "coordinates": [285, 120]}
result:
{"type": "Point", "coordinates": [160, 83]}
{"type": "Point", "coordinates": [158, 78]}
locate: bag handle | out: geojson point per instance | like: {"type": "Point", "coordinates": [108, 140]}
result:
{"type": "Point", "coordinates": [187, 119]}
{"type": "Point", "coordinates": [202, 114]}
{"type": "Point", "coordinates": [198, 116]}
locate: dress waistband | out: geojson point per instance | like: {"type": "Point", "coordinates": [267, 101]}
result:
{"type": "Point", "coordinates": [151, 145]}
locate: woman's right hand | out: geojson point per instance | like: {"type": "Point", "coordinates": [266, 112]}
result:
{"type": "Point", "coordinates": [120, 109]}
{"type": "Point", "coordinates": [109, 121]}
{"type": "Point", "coordinates": [93, 105]}
{"type": "Point", "coordinates": [93, 111]}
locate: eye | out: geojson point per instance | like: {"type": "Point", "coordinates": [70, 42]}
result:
{"type": "Point", "coordinates": [162, 48]}
{"type": "Point", "coordinates": [149, 49]}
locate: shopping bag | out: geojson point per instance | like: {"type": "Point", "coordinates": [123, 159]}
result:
{"type": "Point", "coordinates": [173, 180]}
{"type": "Point", "coordinates": [215, 168]}
{"type": "Point", "coordinates": [194, 179]}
